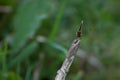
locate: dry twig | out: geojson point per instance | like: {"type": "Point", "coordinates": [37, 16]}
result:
{"type": "Point", "coordinates": [62, 72]}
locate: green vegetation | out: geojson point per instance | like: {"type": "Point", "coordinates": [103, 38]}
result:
{"type": "Point", "coordinates": [35, 36]}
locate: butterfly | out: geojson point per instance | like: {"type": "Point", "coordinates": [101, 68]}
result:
{"type": "Point", "coordinates": [79, 32]}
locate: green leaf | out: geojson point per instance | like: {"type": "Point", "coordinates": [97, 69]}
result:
{"type": "Point", "coordinates": [6, 2]}
{"type": "Point", "coordinates": [29, 71]}
{"type": "Point", "coordinates": [28, 19]}
{"type": "Point", "coordinates": [78, 76]}
{"type": "Point", "coordinates": [56, 46]}
{"type": "Point", "coordinates": [14, 76]}
{"type": "Point", "coordinates": [3, 56]}
{"type": "Point", "coordinates": [29, 50]}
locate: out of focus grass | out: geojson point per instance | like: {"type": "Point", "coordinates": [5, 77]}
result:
{"type": "Point", "coordinates": [36, 34]}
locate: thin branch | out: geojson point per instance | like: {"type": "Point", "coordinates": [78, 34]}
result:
{"type": "Point", "coordinates": [62, 72]}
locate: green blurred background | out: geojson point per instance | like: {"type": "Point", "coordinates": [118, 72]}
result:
{"type": "Point", "coordinates": [35, 36]}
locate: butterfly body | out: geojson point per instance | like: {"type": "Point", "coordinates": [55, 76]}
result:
{"type": "Point", "coordinates": [79, 32]}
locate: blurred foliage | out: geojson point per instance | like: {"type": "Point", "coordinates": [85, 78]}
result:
{"type": "Point", "coordinates": [36, 34]}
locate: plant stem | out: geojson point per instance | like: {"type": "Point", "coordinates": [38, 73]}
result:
{"type": "Point", "coordinates": [62, 72]}
{"type": "Point", "coordinates": [57, 21]}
